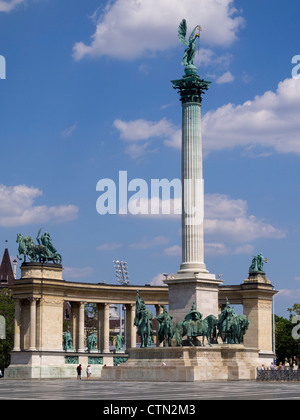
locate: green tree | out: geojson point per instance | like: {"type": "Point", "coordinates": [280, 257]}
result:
{"type": "Point", "coordinates": [7, 309]}
{"type": "Point", "coordinates": [287, 348]}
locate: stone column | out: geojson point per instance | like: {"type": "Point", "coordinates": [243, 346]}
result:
{"type": "Point", "coordinates": [17, 336]}
{"type": "Point", "coordinates": [158, 310]}
{"type": "Point", "coordinates": [32, 328]}
{"type": "Point", "coordinates": [192, 190]}
{"type": "Point", "coordinates": [81, 327]}
{"type": "Point", "coordinates": [74, 323]}
{"type": "Point", "coordinates": [193, 282]}
{"type": "Point", "coordinates": [130, 327]}
{"type": "Point", "coordinates": [104, 327]}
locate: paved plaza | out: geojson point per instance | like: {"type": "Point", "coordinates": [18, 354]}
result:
{"type": "Point", "coordinates": [74, 389]}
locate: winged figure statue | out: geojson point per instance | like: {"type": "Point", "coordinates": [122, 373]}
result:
{"type": "Point", "coordinates": [189, 54]}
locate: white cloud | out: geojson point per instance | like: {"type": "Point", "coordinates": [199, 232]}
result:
{"type": "Point", "coordinates": [8, 5]}
{"type": "Point", "coordinates": [147, 242]}
{"type": "Point", "coordinates": [138, 131]}
{"type": "Point", "coordinates": [128, 29]}
{"type": "Point", "coordinates": [109, 247]}
{"type": "Point", "coordinates": [173, 251]}
{"type": "Point", "coordinates": [17, 208]}
{"type": "Point", "coordinates": [69, 131]}
{"type": "Point", "coordinates": [288, 293]}
{"type": "Point", "coordinates": [158, 280]}
{"type": "Point", "coordinates": [216, 249]}
{"type": "Point", "coordinates": [224, 218]}
{"type": "Point", "coordinates": [225, 78]}
{"type": "Point", "coordinates": [228, 219]}
{"type": "Point", "coordinates": [270, 120]}
{"type": "Point", "coordinates": [207, 57]}
{"type": "Point", "coordinates": [228, 228]}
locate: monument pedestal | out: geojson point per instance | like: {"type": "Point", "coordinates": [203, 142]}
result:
{"type": "Point", "coordinates": [186, 288]}
{"type": "Point", "coordinates": [186, 364]}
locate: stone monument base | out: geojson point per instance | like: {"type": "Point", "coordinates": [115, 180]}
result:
{"type": "Point", "coordinates": [52, 364]}
{"type": "Point", "coordinates": [186, 288]}
{"type": "Point", "coordinates": [186, 364]}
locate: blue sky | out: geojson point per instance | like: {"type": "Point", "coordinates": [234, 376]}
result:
{"type": "Point", "coordinates": [88, 94]}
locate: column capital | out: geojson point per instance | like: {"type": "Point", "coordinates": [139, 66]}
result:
{"type": "Point", "coordinates": [191, 88]}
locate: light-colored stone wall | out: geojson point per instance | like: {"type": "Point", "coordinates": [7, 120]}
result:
{"type": "Point", "coordinates": [259, 313]}
{"type": "Point", "coordinates": [50, 323]}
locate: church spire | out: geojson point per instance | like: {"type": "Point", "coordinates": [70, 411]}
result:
{"type": "Point", "coordinates": [6, 273]}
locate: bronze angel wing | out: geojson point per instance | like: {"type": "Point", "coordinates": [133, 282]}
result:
{"type": "Point", "coordinates": [182, 29]}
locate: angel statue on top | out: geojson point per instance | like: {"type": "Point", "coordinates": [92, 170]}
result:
{"type": "Point", "coordinates": [189, 54]}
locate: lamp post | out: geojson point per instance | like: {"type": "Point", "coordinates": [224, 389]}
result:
{"type": "Point", "coordinates": [121, 272]}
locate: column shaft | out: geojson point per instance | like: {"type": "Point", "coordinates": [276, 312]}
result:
{"type": "Point", "coordinates": [158, 310]}
{"type": "Point", "coordinates": [130, 327]}
{"type": "Point", "coordinates": [81, 327]}
{"type": "Point", "coordinates": [104, 327]}
{"type": "Point", "coordinates": [17, 334]}
{"type": "Point", "coordinates": [192, 189]}
{"type": "Point", "coordinates": [32, 329]}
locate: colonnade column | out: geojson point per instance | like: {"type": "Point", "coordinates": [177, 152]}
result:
{"type": "Point", "coordinates": [158, 309]}
{"type": "Point", "coordinates": [32, 329]}
{"type": "Point", "coordinates": [81, 327]}
{"type": "Point", "coordinates": [103, 327]}
{"type": "Point", "coordinates": [17, 335]}
{"type": "Point", "coordinates": [130, 327]}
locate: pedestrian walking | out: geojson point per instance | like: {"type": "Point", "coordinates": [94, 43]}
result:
{"type": "Point", "coordinates": [280, 367]}
{"type": "Point", "coordinates": [88, 371]}
{"type": "Point", "coordinates": [79, 368]}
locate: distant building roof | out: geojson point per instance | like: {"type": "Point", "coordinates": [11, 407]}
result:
{"type": "Point", "coordinates": [6, 272]}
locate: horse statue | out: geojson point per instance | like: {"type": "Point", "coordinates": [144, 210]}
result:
{"type": "Point", "coordinates": [24, 246]}
{"type": "Point", "coordinates": [165, 328]}
{"type": "Point", "coordinates": [27, 248]}
{"type": "Point", "coordinates": [231, 327]}
{"type": "Point", "coordinates": [143, 322]}
{"type": "Point", "coordinates": [194, 326]}
{"type": "Point", "coordinates": [43, 252]}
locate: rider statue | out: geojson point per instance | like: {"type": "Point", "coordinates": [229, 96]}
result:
{"type": "Point", "coordinates": [193, 315]}
{"type": "Point", "coordinates": [227, 323]}
{"type": "Point", "coordinates": [165, 327]}
{"type": "Point", "coordinates": [143, 322]}
{"type": "Point", "coordinates": [41, 253]}
{"type": "Point", "coordinates": [191, 320]}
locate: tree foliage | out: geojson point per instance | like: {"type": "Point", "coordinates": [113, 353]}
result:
{"type": "Point", "coordinates": [287, 347]}
{"type": "Point", "coordinates": [7, 309]}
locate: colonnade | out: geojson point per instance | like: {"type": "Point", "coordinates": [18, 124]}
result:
{"type": "Point", "coordinates": [41, 292]}
{"type": "Point", "coordinates": [39, 312]}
